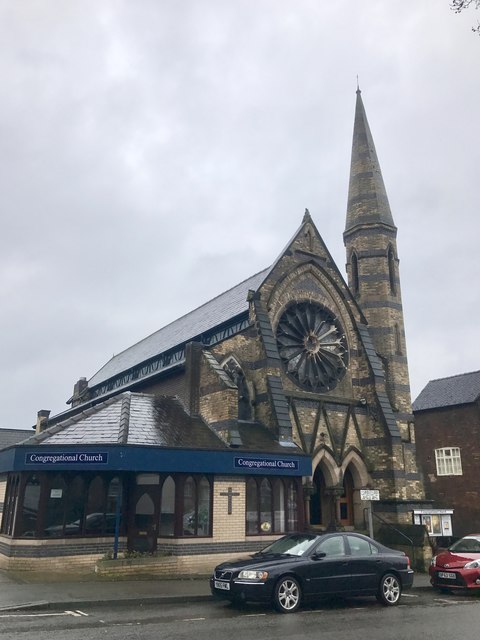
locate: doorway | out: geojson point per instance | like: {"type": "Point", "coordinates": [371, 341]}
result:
{"type": "Point", "coordinates": [144, 515]}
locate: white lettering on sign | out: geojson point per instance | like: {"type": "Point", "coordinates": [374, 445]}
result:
{"type": "Point", "coordinates": [369, 494]}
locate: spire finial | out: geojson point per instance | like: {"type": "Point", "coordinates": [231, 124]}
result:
{"type": "Point", "coordinates": [358, 85]}
{"type": "Point", "coordinates": [306, 216]}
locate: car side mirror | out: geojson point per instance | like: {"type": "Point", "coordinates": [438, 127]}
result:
{"type": "Point", "coordinates": [318, 555]}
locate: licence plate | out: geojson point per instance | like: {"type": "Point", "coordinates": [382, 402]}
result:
{"type": "Point", "coordinates": [222, 585]}
{"type": "Point", "coordinates": [446, 575]}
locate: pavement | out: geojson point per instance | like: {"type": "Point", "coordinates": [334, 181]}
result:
{"type": "Point", "coordinates": [30, 590]}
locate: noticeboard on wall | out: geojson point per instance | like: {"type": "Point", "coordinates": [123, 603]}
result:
{"type": "Point", "coordinates": [437, 522]}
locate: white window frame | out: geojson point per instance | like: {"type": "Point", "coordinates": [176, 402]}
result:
{"type": "Point", "coordinates": [448, 461]}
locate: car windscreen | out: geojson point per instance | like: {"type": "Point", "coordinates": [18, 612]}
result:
{"type": "Point", "coordinates": [469, 544]}
{"type": "Point", "coordinates": [295, 545]}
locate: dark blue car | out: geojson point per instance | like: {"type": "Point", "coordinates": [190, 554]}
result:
{"type": "Point", "coordinates": [303, 567]}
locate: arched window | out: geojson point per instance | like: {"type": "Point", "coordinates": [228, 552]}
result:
{"type": "Point", "coordinates": [292, 507]}
{"type": "Point", "coordinates": [272, 508]}
{"type": "Point", "coordinates": [355, 278]}
{"type": "Point", "coordinates": [266, 506]}
{"type": "Point", "coordinates": [204, 519]}
{"type": "Point", "coordinates": [75, 507]}
{"type": "Point", "coordinates": [391, 270]}
{"type": "Point", "coordinates": [234, 370]}
{"type": "Point", "coordinates": [252, 506]}
{"type": "Point", "coordinates": [31, 502]}
{"type": "Point", "coordinates": [189, 498]}
{"type": "Point", "coordinates": [144, 511]}
{"type": "Point", "coordinates": [114, 505]}
{"type": "Point", "coordinates": [167, 508]}
{"type": "Point", "coordinates": [196, 507]}
{"type": "Point", "coordinates": [95, 511]}
{"type": "Point", "coordinates": [278, 507]}
{"type": "Point", "coordinates": [11, 504]}
{"type": "Point", "coordinates": [55, 507]}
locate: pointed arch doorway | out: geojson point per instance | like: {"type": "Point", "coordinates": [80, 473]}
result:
{"type": "Point", "coordinates": [144, 516]}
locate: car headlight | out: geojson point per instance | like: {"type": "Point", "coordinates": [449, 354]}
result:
{"type": "Point", "coordinates": [253, 575]}
{"type": "Point", "coordinates": [474, 564]}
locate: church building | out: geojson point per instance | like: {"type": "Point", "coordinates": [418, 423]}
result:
{"type": "Point", "coordinates": [272, 408]}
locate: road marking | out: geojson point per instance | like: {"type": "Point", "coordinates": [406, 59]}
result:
{"type": "Point", "coordinates": [37, 615]}
{"type": "Point", "coordinates": [409, 595]}
{"type": "Point", "coordinates": [82, 613]}
{"type": "Point", "coordinates": [192, 619]}
{"type": "Point", "coordinates": [444, 601]}
{"type": "Point", "coordinates": [253, 615]}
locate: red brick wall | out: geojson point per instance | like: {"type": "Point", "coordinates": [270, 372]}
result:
{"type": "Point", "coordinates": [457, 426]}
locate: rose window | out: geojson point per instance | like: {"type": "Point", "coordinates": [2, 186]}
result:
{"type": "Point", "coordinates": [312, 346]}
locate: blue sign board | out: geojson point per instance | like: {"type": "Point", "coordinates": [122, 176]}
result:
{"type": "Point", "coordinates": [135, 458]}
{"type": "Point", "coordinates": [73, 457]}
{"type": "Point", "coordinates": [268, 464]}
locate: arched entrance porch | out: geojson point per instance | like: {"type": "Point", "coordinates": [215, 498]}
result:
{"type": "Point", "coordinates": [335, 495]}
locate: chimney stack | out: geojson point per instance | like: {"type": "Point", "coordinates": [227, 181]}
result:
{"type": "Point", "coordinates": [42, 420]}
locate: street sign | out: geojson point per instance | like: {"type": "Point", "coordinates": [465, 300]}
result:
{"type": "Point", "coordinates": [369, 494]}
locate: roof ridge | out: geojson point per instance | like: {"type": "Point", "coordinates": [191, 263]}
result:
{"type": "Point", "coordinates": [456, 375]}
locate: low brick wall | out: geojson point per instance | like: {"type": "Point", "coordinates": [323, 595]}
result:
{"type": "Point", "coordinates": [164, 566]}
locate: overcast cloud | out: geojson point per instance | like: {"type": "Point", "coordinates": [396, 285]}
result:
{"type": "Point", "coordinates": [154, 154]}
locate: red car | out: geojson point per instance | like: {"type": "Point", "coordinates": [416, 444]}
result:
{"type": "Point", "coordinates": [458, 567]}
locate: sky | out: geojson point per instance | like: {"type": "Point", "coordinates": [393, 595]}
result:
{"type": "Point", "coordinates": [154, 154]}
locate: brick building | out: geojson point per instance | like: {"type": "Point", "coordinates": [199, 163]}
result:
{"type": "Point", "coordinates": [447, 419]}
{"type": "Point", "coordinates": [267, 409]}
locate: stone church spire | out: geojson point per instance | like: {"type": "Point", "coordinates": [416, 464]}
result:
{"type": "Point", "coordinates": [372, 262]}
{"type": "Point", "coordinates": [367, 197]}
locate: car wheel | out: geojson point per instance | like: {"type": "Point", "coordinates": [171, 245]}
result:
{"type": "Point", "coordinates": [389, 590]}
{"type": "Point", "coordinates": [287, 595]}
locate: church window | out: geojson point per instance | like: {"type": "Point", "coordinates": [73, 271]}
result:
{"type": "Point", "coordinates": [391, 270]}
{"type": "Point", "coordinates": [448, 461]}
{"type": "Point", "coordinates": [312, 346]}
{"type": "Point", "coordinates": [114, 502]}
{"type": "Point", "coordinates": [266, 505]}
{"type": "Point", "coordinates": [278, 507]}
{"type": "Point", "coordinates": [75, 506]}
{"type": "Point", "coordinates": [292, 507]}
{"type": "Point", "coordinates": [196, 507]}
{"type": "Point", "coordinates": [398, 341]}
{"type": "Point", "coordinates": [271, 507]}
{"type": "Point", "coordinates": [234, 370]}
{"type": "Point", "coordinates": [68, 505]}
{"type": "Point", "coordinates": [95, 511]}
{"type": "Point", "coordinates": [10, 508]}
{"type": "Point", "coordinates": [167, 508]}
{"type": "Point", "coordinates": [355, 278]}
{"type": "Point", "coordinates": [55, 508]}
{"type": "Point", "coordinates": [252, 506]}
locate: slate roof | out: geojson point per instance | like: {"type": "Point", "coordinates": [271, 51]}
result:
{"type": "Point", "coordinates": [9, 437]}
{"type": "Point", "coordinates": [212, 314]}
{"type": "Point", "coordinates": [148, 420]}
{"type": "Point", "coordinates": [447, 392]}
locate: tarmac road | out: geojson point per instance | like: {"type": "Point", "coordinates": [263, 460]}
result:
{"type": "Point", "coordinates": [422, 614]}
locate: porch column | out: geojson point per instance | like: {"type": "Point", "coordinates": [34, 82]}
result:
{"type": "Point", "coordinates": [334, 494]}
